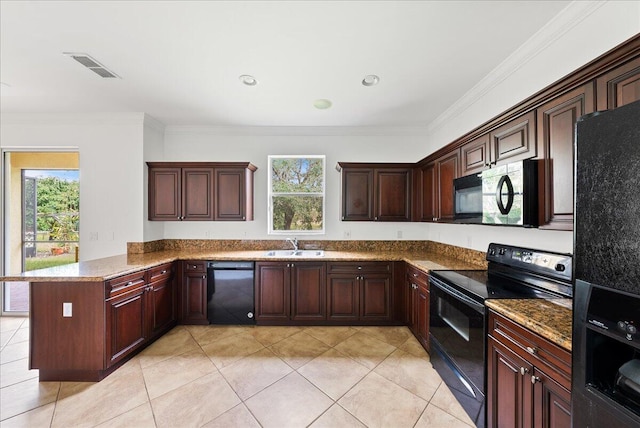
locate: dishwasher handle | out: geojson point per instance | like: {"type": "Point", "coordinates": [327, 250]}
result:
{"type": "Point", "coordinates": [230, 265]}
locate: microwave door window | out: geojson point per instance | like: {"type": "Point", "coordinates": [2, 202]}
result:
{"type": "Point", "coordinates": [504, 183]}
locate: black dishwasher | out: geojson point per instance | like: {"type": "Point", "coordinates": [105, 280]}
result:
{"type": "Point", "coordinates": [230, 292]}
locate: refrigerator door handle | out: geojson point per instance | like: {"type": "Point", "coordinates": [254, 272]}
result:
{"type": "Point", "coordinates": [504, 179]}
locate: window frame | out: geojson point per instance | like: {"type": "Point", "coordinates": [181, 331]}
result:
{"type": "Point", "coordinates": [271, 194]}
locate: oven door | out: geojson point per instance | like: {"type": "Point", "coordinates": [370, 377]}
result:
{"type": "Point", "coordinates": [456, 327]}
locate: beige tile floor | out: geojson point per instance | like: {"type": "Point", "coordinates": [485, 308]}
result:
{"type": "Point", "coordinates": [229, 376]}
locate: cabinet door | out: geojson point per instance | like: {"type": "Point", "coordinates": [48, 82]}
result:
{"type": "Point", "coordinates": [556, 135]}
{"type": "Point", "coordinates": [447, 170]}
{"type": "Point", "coordinates": [162, 312]}
{"type": "Point", "coordinates": [552, 402]}
{"type": "Point", "coordinates": [422, 314]}
{"type": "Point", "coordinates": [428, 194]}
{"type": "Point", "coordinates": [126, 326]}
{"type": "Point", "coordinates": [230, 194]}
{"type": "Point", "coordinates": [197, 193]}
{"type": "Point", "coordinates": [273, 291]}
{"type": "Point", "coordinates": [514, 141]}
{"type": "Point", "coordinates": [195, 298]}
{"type": "Point", "coordinates": [474, 156]}
{"type": "Point", "coordinates": [357, 194]}
{"type": "Point", "coordinates": [343, 300]}
{"type": "Point", "coordinates": [308, 291]}
{"type": "Point", "coordinates": [375, 297]}
{"type": "Point", "coordinates": [165, 194]}
{"type": "Point", "coordinates": [620, 86]}
{"type": "Point", "coordinates": [393, 195]}
{"type": "Point", "coordinates": [509, 388]}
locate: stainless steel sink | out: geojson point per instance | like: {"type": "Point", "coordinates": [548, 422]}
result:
{"type": "Point", "coordinates": [295, 253]}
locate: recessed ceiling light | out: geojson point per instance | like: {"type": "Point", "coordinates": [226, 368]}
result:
{"type": "Point", "coordinates": [322, 104]}
{"type": "Point", "coordinates": [370, 80]}
{"type": "Point", "coordinates": [248, 80]}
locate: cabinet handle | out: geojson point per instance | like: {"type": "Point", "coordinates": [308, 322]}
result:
{"type": "Point", "coordinates": [195, 267]}
{"type": "Point", "coordinates": [204, 276]}
{"type": "Point", "coordinates": [375, 218]}
{"type": "Point", "coordinates": [523, 371]}
{"type": "Point", "coordinates": [359, 267]}
{"type": "Point", "coordinates": [163, 272]}
{"type": "Point", "coordinates": [535, 379]}
{"type": "Point", "coordinates": [129, 283]}
{"type": "Point", "coordinates": [531, 350]}
{"type": "Point", "coordinates": [415, 275]}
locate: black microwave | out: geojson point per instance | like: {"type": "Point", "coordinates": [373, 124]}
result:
{"type": "Point", "coordinates": [503, 195]}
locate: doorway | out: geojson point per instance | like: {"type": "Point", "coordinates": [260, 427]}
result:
{"type": "Point", "coordinates": [41, 218]}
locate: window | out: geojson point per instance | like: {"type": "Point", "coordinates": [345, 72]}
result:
{"type": "Point", "coordinates": [296, 194]}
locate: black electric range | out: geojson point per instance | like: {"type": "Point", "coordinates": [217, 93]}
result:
{"type": "Point", "coordinates": [458, 316]}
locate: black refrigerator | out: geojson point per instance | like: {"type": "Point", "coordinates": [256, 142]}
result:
{"type": "Point", "coordinates": [606, 316]}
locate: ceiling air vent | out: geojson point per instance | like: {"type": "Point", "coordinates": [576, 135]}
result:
{"type": "Point", "coordinates": [92, 64]}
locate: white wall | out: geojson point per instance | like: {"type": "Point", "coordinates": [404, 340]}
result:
{"type": "Point", "coordinates": [153, 148]}
{"type": "Point", "coordinates": [111, 188]}
{"type": "Point", "coordinates": [254, 145]}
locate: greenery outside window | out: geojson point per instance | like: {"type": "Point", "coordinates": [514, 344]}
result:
{"type": "Point", "coordinates": [296, 194]}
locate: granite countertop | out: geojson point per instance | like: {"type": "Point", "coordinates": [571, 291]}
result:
{"type": "Point", "coordinates": [112, 267]}
{"type": "Point", "coordinates": [551, 319]}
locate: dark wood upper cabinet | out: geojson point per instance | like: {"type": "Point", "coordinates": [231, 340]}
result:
{"type": "Point", "coordinates": [474, 156]}
{"type": "Point", "coordinates": [393, 194]}
{"type": "Point", "coordinates": [556, 135]}
{"type": "Point", "coordinates": [620, 86]}
{"type": "Point", "coordinates": [200, 191]}
{"type": "Point", "coordinates": [435, 193]}
{"type": "Point", "coordinates": [376, 192]}
{"type": "Point", "coordinates": [513, 141]}
{"type": "Point", "coordinates": [357, 194]}
{"type": "Point", "coordinates": [234, 194]}
{"type": "Point", "coordinates": [197, 188]}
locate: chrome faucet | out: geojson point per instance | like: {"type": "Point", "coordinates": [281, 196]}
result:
{"type": "Point", "coordinates": [294, 242]}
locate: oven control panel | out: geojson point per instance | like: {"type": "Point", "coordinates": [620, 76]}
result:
{"type": "Point", "coordinates": [557, 265]}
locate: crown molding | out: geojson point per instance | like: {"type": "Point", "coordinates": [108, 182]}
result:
{"type": "Point", "coordinates": [298, 130]}
{"type": "Point", "coordinates": [569, 17]}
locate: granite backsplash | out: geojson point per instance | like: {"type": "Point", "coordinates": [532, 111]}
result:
{"type": "Point", "coordinates": [465, 254]}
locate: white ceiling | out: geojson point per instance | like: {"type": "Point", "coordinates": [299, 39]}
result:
{"type": "Point", "coordinates": [179, 61]}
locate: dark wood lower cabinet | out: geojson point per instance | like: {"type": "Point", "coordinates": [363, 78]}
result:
{"type": "Point", "coordinates": [289, 292]}
{"type": "Point", "coordinates": [126, 315]}
{"type": "Point", "coordinates": [528, 378]}
{"type": "Point", "coordinates": [417, 304]}
{"type": "Point", "coordinates": [194, 292]}
{"type": "Point", "coordinates": [343, 298]}
{"type": "Point", "coordinates": [82, 331]}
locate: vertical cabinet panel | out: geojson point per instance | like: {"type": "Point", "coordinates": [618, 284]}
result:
{"type": "Point", "coordinates": [556, 136]}
{"type": "Point", "coordinates": [165, 193]}
{"type": "Point", "coordinates": [126, 324]}
{"type": "Point", "coordinates": [343, 302]}
{"type": "Point", "coordinates": [393, 197]}
{"type": "Point", "coordinates": [357, 194]}
{"type": "Point", "coordinates": [376, 291]}
{"type": "Point", "coordinates": [620, 86]}
{"type": "Point", "coordinates": [272, 291]}
{"type": "Point", "coordinates": [308, 291]}
{"type": "Point", "coordinates": [428, 193]}
{"type": "Point", "coordinates": [230, 194]}
{"type": "Point", "coordinates": [422, 314]}
{"type": "Point", "coordinates": [197, 203]}
{"type": "Point", "coordinates": [447, 171]}
{"type": "Point", "coordinates": [194, 292]}
{"type": "Point", "coordinates": [552, 402]}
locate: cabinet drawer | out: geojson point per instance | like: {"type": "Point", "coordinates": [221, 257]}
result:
{"type": "Point", "coordinates": [125, 283]}
{"type": "Point", "coordinates": [160, 272]}
{"type": "Point", "coordinates": [362, 267]}
{"type": "Point", "coordinates": [532, 347]}
{"type": "Point", "coordinates": [195, 266]}
{"type": "Point", "coordinates": [415, 275]}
